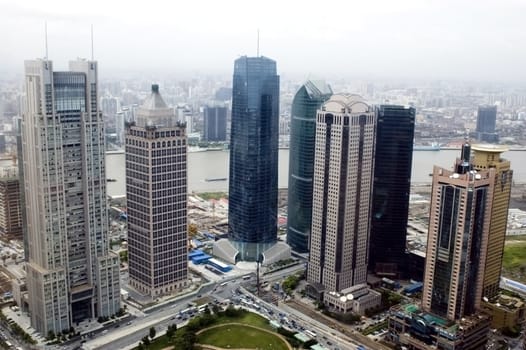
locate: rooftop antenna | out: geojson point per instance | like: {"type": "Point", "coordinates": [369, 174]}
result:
{"type": "Point", "coordinates": [92, 43]}
{"type": "Point", "coordinates": [45, 33]}
{"type": "Point", "coordinates": [258, 45]}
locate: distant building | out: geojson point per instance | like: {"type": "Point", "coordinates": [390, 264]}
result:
{"type": "Point", "coordinates": [342, 193]}
{"type": "Point", "coordinates": [308, 99]}
{"type": "Point", "coordinates": [391, 188]}
{"type": "Point", "coordinates": [71, 274]}
{"type": "Point", "coordinates": [486, 123]}
{"type": "Point", "coordinates": [223, 94]}
{"type": "Point", "coordinates": [506, 311]}
{"type": "Point", "coordinates": [214, 123]}
{"type": "Point", "coordinates": [10, 210]}
{"type": "Point", "coordinates": [156, 192]}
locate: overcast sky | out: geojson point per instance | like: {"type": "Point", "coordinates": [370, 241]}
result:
{"type": "Point", "coordinates": [415, 39]}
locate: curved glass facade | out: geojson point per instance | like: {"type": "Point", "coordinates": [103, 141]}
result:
{"type": "Point", "coordinates": [392, 181]}
{"type": "Point", "coordinates": [307, 100]}
{"type": "Point", "coordinates": [253, 182]}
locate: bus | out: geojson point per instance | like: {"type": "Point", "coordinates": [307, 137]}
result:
{"type": "Point", "coordinates": [223, 284]}
{"type": "Point", "coordinates": [310, 333]}
{"type": "Point", "coordinates": [202, 308]}
{"type": "Point", "coordinates": [247, 277]}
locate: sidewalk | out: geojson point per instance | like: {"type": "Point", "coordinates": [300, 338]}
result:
{"type": "Point", "coordinates": [22, 319]}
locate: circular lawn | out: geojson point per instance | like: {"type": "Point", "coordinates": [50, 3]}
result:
{"type": "Point", "coordinates": [238, 336]}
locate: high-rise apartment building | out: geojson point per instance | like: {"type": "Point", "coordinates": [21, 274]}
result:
{"type": "Point", "coordinates": [305, 105]}
{"type": "Point", "coordinates": [71, 275]}
{"type": "Point", "coordinates": [10, 211]}
{"type": "Point", "coordinates": [488, 157]}
{"type": "Point", "coordinates": [459, 227]}
{"type": "Point", "coordinates": [156, 196]}
{"type": "Point", "coordinates": [391, 189]}
{"type": "Point", "coordinates": [253, 181]}
{"type": "Point", "coordinates": [214, 123]}
{"type": "Point", "coordinates": [486, 123]}
{"type": "Point", "coordinates": [342, 193]}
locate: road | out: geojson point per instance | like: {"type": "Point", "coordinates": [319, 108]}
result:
{"type": "Point", "coordinates": [229, 290]}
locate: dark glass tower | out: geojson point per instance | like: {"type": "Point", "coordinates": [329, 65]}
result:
{"type": "Point", "coordinates": [392, 181]}
{"type": "Point", "coordinates": [214, 120]}
{"type": "Point", "coordinates": [486, 122]}
{"type": "Point", "coordinates": [253, 182]}
{"type": "Point", "coordinates": [307, 100]}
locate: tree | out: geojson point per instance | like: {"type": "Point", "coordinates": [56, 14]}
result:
{"type": "Point", "coordinates": [192, 230]}
{"type": "Point", "coordinates": [146, 340]}
{"type": "Point", "coordinates": [170, 331]}
{"type": "Point", "coordinates": [152, 332]}
{"type": "Point", "coordinates": [140, 346]}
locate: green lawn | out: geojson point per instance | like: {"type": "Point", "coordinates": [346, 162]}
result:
{"type": "Point", "coordinates": [249, 319]}
{"type": "Point", "coordinates": [514, 261]}
{"type": "Point", "coordinates": [237, 336]}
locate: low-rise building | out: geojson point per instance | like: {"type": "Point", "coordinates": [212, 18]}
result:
{"type": "Point", "coordinates": [355, 299]}
{"type": "Point", "coordinates": [411, 327]}
{"type": "Point", "coordinates": [506, 311]}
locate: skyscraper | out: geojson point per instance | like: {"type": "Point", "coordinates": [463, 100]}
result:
{"type": "Point", "coordinates": [391, 188]}
{"type": "Point", "coordinates": [486, 122]}
{"type": "Point", "coordinates": [307, 100]}
{"type": "Point", "coordinates": [488, 157]}
{"type": "Point", "coordinates": [342, 185]}
{"type": "Point", "coordinates": [459, 226]}
{"type": "Point", "coordinates": [253, 182]}
{"type": "Point", "coordinates": [71, 275]}
{"type": "Point", "coordinates": [156, 194]}
{"type": "Point", "coordinates": [10, 211]}
{"type": "Point", "coordinates": [214, 120]}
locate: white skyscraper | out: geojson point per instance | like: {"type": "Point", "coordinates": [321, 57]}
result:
{"type": "Point", "coordinates": [342, 189]}
{"type": "Point", "coordinates": [156, 194]}
{"type": "Point", "coordinates": [71, 275]}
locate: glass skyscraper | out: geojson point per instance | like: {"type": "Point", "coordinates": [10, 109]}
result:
{"type": "Point", "coordinates": [392, 181]}
{"type": "Point", "coordinates": [253, 182]}
{"type": "Point", "coordinates": [486, 122]}
{"type": "Point", "coordinates": [307, 100]}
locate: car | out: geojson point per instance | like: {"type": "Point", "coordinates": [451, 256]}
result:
{"type": "Point", "coordinates": [129, 323]}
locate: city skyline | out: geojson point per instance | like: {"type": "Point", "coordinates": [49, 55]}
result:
{"type": "Point", "coordinates": [442, 40]}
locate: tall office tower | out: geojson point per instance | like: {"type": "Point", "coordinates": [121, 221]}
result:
{"type": "Point", "coordinates": [486, 122]}
{"type": "Point", "coordinates": [10, 212]}
{"type": "Point", "coordinates": [342, 193]}
{"type": "Point", "coordinates": [459, 225]}
{"type": "Point", "coordinates": [391, 188]}
{"type": "Point", "coordinates": [305, 105]}
{"type": "Point", "coordinates": [156, 196]}
{"type": "Point", "coordinates": [214, 120]}
{"type": "Point", "coordinates": [253, 182]}
{"type": "Point", "coordinates": [488, 157]}
{"type": "Point", "coordinates": [71, 275]}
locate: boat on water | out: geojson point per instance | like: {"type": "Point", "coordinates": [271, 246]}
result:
{"type": "Point", "coordinates": [111, 180]}
{"type": "Point", "coordinates": [432, 147]}
{"type": "Point", "coordinates": [216, 179]}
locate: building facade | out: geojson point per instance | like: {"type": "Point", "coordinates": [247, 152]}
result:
{"type": "Point", "coordinates": [71, 275]}
{"type": "Point", "coordinates": [391, 188]}
{"type": "Point", "coordinates": [488, 157]}
{"type": "Point", "coordinates": [342, 193]}
{"type": "Point", "coordinates": [214, 123]}
{"type": "Point", "coordinates": [457, 239]}
{"type": "Point", "coordinates": [308, 99]}
{"type": "Point", "coordinates": [156, 193]}
{"type": "Point", "coordinates": [10, 210]}
{"type": "Point", "coordinates": [486, 123]}
{"type": "Point", "coordinates": [253, 180]}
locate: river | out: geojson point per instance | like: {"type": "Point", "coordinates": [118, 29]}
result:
{"type": "Point", "coordinates": [214, 164]}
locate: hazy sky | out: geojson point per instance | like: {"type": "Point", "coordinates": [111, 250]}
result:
{"type": "Point", "coordinates": [443, 39]}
